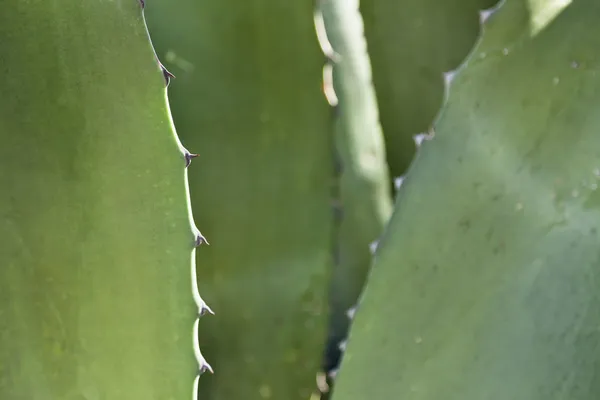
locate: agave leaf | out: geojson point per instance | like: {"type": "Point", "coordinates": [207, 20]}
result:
{"type": "Point", "coordinates": [96, 242]}
{"type": "Point", "coordinates": [248, 99]}
{"type": "Point", "coordinates": [412, 43]}
{"type": "Point", "coordinates": [485, 284]}
{"type": "Point", "coordinates": [364, 193]}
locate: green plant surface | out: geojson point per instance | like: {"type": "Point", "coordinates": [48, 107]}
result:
{"type": "Point", "coordinates": [364, 192]}
{"type": "Point", "coordinates": [248, 96]}
{"type": "Point", "coordinates": [411, 44]}
{"type": "Point", "coordinates": [485, 285]}
{"type": "Point", "coordinates": [96, 243]}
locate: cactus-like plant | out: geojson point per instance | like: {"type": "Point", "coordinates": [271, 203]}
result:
{"type": "Point", "coordinates": [248, 96]}
{"type": "Point", "coordinates": [485, 284]}
{"type": "Point", "coordinates": [96, 244]}
{"type": "Point", "coordinates": [364, 193]}
{"type": "Point", "coordinates": [411, 43]}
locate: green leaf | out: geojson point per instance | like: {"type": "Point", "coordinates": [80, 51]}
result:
{"type": "Point", "coordinates": [248, 99]}
{"type": "Point", "coordinates": [363, 192]}
{"type": "Point", "coordinates": [95, 237]}
{"type": "Point", "coordinates": [412, 43]}
{"type": "Point", "coordinates": [485, 285]}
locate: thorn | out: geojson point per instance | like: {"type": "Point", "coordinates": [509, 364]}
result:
{"type": "Point", "coordinates": [333, 373]}
{"type": "Point", "coordinates": [351, 312]}
{"type": "Point", "coordinates": [449, 77]}
{"type": "Point", "coordinates": [199, 240]}
{"type": "Point", "coordinates": [166, 74]}
{"type": "Point", "coordinates": [421, 137]}
{"type": "Point", "coordinates": [342, 346]}
{"type": "Point", "coordinates": [188, 158]}
{"type": "Point", "coordinates": [373, 246]}
{"type": "Point", "coordinates": [485, 14]}
{"type": "Point", "coordinates": [398, 182]}
{"type": "Point", "coordinates": [205, 309]}
{"type": "Point", "coordinates": [203, 366]}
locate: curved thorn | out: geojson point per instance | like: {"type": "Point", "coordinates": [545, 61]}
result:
{"type": "Point", "coordinates": [205, 309]}
{"type": "Point", "coordinates": [167, 75]}
{"type": "Point", "coordinates": [203, 366]}
{"type": "Point", "coordinates": [188, 158]}
{"type": "Point", "coordinates": [351, 312]}
{"type": "Point", "coordinates": [199, 240]}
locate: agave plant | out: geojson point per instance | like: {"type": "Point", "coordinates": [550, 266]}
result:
{"type": "Point", "coordinates": [482, 285]}
{"type": "Point", "coordinates": [96, 292]}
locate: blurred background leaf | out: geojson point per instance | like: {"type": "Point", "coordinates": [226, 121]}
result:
{"type": "Point", "coordinates": [248, 98]}
{"type": "Point", "coordinates": [363, 193]}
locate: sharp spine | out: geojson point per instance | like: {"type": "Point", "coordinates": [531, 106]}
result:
{"type": "Point", "coordinates": [449, 77]}
{"type": "Point", "coordinates": [188, 158]}
{"type": "Point", "coordinates": [373, 246]}
{"type": "Point", "coordinates": [351, 312]}
{"type": "Point", "coordinates": [203, 366]}
{"type": "Point", "coordinates": [205, 309]}
{"type": "Point", "coordinates": [398, 182]}
{"type": "Point", "coordinates": [199, 240]}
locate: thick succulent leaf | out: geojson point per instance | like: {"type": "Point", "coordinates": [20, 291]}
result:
{"type": "Point", "coordinates": [96, 242]}
{"type": "Point", "coordinates": [364, 193]}
{"type": "Point", "coordinates": [485, 285]}
{"type": "Point", "coordinates": [411, 44]}
{"type": "Point", "coordinates": [248, 98]}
